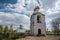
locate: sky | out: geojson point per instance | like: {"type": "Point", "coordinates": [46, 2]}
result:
{"type": "Point", "coordinates": [18, 12]}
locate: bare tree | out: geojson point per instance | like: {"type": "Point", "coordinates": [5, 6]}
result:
{"type": "Point", "coordinates": [55, 26]}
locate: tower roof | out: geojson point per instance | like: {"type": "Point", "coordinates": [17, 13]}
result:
{"type": "Point", "coordinates": [34, 13]}
{"type": "Point", "coordinates": [37, 7]}
{"type": "Point", "coordinates": [38, 13]}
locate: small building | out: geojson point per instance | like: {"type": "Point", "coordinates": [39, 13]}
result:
{"type": "Point", "coordinates": [38, 26]}
{"type": "Point", "coordinates": [21, 29]}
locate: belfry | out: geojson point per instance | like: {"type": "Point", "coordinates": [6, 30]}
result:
{"type": "Point", "coordinates": [37, 23]}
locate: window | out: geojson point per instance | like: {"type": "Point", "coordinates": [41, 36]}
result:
{"type": "Point", "coordinates": [38, 19]}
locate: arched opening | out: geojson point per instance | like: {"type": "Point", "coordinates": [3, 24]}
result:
{"type": "Point", "coordinates": [39, 31]}
{"type": "Point", "coordinates": [38, 19]}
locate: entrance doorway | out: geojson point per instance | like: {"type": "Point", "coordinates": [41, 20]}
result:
{"type": "Point", "coordinates": [39, 31]}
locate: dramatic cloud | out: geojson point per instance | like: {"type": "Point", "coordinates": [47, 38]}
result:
{"type": "Point", "coordinates": [15, 19]}
{"type": "Point", "coordinates": [19, 11]}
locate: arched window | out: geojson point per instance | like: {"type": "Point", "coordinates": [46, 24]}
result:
{"type": "Point", "coordinates": [38, 19]}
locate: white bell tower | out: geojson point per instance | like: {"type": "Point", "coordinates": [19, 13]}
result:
{"type": "Point", "coordinates": [38, 26]}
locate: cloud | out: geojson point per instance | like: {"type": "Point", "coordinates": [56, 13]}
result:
{"type": "Point", "coordinates": [0, 21]}
{"type": "Point", "coordinates": [54, 12]}
{"type": "Point", "coordinates": [20, 11]}
{"type": "Point", "coordinates": [48, 3]}
{"type": "Point", "coordinates": [15, 19]}
{"type": "Point", "coordinates": [57, 5]}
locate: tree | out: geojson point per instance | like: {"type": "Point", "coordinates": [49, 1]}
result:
{"type": "Point", "coordinates": [12, 33]}
{"type": "Point", "coordinates": [55, 26]}
{"type": "Point", "coordinates": [6, 29]}
{"type": "Point", "coordinates": [28, 31]}
{"type": "Point", "coordinates": [1, 28]}
{"type": "Point", "coordinates": [11, 27]}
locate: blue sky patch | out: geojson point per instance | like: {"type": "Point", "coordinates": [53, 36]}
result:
{"type": "Point", "coordinates": [8, 1]}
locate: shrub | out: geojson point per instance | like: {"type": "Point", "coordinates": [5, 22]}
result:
{"type": "Point", "coordinates": [1, 38]}
{"type": "Point", "coordinates": [18, 35]}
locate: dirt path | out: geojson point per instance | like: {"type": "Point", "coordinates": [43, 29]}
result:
{"type": "Point", "coordinates": [41, 38]}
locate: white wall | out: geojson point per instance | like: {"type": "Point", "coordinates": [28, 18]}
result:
{"type": "Point", "coordinates": [35, 26]}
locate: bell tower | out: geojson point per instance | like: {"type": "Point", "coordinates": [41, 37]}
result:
{"type": "Point", "coordinates": [37, 23]}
